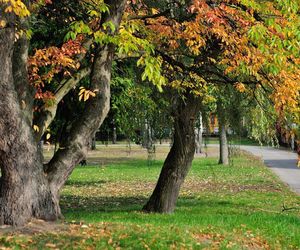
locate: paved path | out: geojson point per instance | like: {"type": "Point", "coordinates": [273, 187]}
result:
{"type": "Point", "coordinates": [282, 162]}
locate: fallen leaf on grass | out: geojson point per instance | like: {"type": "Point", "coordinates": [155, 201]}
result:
{"type": "Point", "coordinates": [50, 245]}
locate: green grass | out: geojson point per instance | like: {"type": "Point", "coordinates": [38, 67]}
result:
{"type": "Point", "coordinates": [233, 140]}
{"type": "Point", "coordinates": [234, 207]}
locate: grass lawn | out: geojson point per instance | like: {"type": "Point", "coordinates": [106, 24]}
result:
{"type": "Point", "coordinates": [233, 140]}
{"type": "Point", "coordinates": [234, 207]}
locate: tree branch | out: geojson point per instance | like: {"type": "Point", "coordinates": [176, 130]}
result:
{"type": "Point", "coordinates": [75, 143]}
{"type": "Point", "coordinates": [206, 71]}
{"type": "Point", "coordinates": [48, 112]}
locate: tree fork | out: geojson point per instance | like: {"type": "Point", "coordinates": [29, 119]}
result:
{"type": "Point", "coordinates": [27, 189]}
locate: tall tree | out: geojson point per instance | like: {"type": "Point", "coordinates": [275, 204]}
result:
{"type": "Point", "coordinates": [223, 42]}
{"type": "Point", "coordinates": [180, 157]}
{"type": "Point", "coordinates": [222, 123]}
{"type": "Point", "coordinates": [28, 189]}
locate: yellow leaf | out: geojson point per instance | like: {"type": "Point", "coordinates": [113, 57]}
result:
{"type": "Point", "coordinates": [81, 91]}
{"type": "Point", "coordinates": [50, 245]}
{"type": "Point", "coordinates": [86, 96]}
{"type": "Point", "coordinates": [36, 128]}
{"type": "Point", "coordinates": [2, 23]}
{"type": "Point", "coordinates": [154, 11]}
{"type": "Point", "coordinates": [8, 9]}
{"type": "Point", "coordinates": [48, 136]}
{"type": "Point", "coordinates": [92, 94]}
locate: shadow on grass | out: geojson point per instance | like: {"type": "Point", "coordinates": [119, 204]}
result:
{"type": "Point", "coordinates": [191, 211]}
{"type": "Point", "coordinates": [119, 164]}
{"type": "Point", "coordinates": [85, 183]}
{"type": "Point", "coordinates": [103, 161]}
{"type": "Point", "coordinates": [102, 203]}
{"type": "Point", "coordinates": [135, 203]}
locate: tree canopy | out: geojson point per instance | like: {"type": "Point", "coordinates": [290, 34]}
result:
{"type": "Point", "coordinates": [58, 56]}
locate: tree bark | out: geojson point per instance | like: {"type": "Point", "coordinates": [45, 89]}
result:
{"type": "Point", "coordinates": [179, 159]}
{"type": "Point", "coordinates": [24, 90]}
{"type": "Point", "coordinates": [24, 190]}
{"type": "Point", "coordinates": [224, 151]}
{"type": "Point", "coordinates": [75, 145]}
{"type": "Point", "coordinates": [93, 142]}
{"type": "Point", "coordinates": [27, 188]}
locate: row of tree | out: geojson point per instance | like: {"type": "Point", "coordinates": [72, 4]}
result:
{"type": "Point", "coordinates": [191, 51]}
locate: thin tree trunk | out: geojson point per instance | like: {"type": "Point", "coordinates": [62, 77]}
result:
{"type": "Point", "coordinates": [198, 132]}
{"type": "Point", "coordinates": [93, 143]}
{"type": "Point", "coordinates": [179, 159]}
{"type": "Point", "coordinates": [224, 151]}
{"type": "Point", "coordinates": [145, 141]}
{"type": "Point", "coordinates": [114, 138]}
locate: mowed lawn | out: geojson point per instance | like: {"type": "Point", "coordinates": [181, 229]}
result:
{"type": "Point", "coordinates": [241, 206]}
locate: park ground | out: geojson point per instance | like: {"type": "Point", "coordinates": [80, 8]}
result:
{"type": "Point", "coordinates": [241, 206]}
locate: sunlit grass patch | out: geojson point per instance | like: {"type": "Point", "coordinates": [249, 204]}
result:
{"type": "Point", "coordinates": [244, 196]}
{"type": "Point", "coordinates": [234, 207]}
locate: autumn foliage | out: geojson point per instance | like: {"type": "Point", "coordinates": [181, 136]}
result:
{"type": "Point", "coordinates": [47, 63]}
{"type": "Point", "coordinates": [247, 43]}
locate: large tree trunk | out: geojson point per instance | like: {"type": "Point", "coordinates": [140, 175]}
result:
{"type": "Point", "coordinates": [24, 190]}
{"type": "Point", "coordinates": [179, 159]}
{"type": "Point", "coordinates": [224, 151]}
{"type": "Point", "coordinates": [27, 188]}
{"type": "Point", "coordinates": [75, 144]}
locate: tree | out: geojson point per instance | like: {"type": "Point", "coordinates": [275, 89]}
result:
{"type": "Point", "coordinates": [138, 109]}
{"type": "Point", "coordinates": [224, 150]}
{"type": "Point", "coordinates": [199, 133]}
{"type": "Point", "coordinates": [180, 157]}
{"type": "Point", "coordinates": [229, 112]}
{"type": "Point", "coordinates": [28, 189]}
{"type": "Point", "coordinates": [222, 42]}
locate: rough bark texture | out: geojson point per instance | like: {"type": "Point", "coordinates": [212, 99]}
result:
{"type": "Point", "coordinates": [224, 152]}
{"type": "Point", "coordinates": [75, 145]}
{"type": "Point", "coordinates": [179, 159]}
{"type": "Point", "coordinates": [24, 90]}
{"type": "Point", "coordinates": [27, 188]}
{"type": "Point", "coordinates": [24, 190]}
